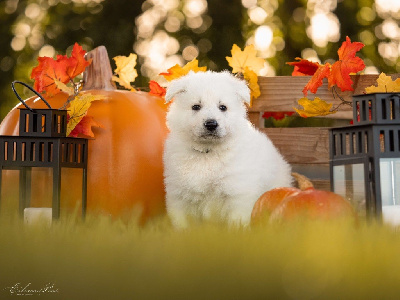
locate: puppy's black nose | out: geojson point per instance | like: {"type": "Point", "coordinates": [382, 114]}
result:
{"type": "Point", "coordinates": [211, 124]}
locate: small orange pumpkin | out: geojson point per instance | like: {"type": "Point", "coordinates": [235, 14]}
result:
{"type": "Point", "coordinates": [289, 202]}
{"type": "Point", "coordinates": [314, 204]}
{"type": "Point", "coordinates": [125, 169]}
{"type": "Point", "coordinates": [269, 201]}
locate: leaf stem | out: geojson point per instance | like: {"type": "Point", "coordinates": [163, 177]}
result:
{"type": "Point", "coordinates": [335, 94]}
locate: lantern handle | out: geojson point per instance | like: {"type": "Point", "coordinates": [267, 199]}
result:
{"type": "Point", "coordinates": [30, 88]}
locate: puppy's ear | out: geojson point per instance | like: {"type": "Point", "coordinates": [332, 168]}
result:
{"type": "Point", "coordinates": [176, 87]}
{"type": "Point", "coordinates": [240, 87]}
{"type": "Point", "coordinates": [243, 91]}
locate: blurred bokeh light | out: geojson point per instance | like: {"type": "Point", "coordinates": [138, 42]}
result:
{"type": "Point", "coordinates": [168, 32]}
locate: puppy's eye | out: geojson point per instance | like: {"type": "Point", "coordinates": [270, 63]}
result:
{"type": "Point", "coordinates": [196, 107]}
{"type": "Point", "coordinates": [222, 108]}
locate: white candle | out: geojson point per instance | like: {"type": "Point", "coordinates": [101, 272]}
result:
{"type": "Point", "coordinates": [35, 214]}
{"type": "Point", "coordinates": [391, 214]}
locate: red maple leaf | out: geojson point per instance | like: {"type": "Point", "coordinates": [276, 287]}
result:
{"type": "Point", "coordinates": [45, 74]}
{"type": "Point", "coordinates": [62, 69]}
{"type": "Point", "coordinates": [277, 115]}
{"type": "Point", "coordinates": [303, 67]}
{"type": "Point", "coordinates": [84, 127]}
{"type": "Point", "coordinates": [156, 89]}
{"type": "Point", "coordinates": [315, 82]}
{"type": "Point", "coordinates": [77, 63]}
{"type": "Point", "coordinates": [348, 63]}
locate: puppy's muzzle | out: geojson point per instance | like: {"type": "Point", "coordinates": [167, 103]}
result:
{"type": "Point", "coordinates": [211, 125]}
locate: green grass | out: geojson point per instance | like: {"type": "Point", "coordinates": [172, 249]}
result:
{"type": "Point", "coordinates": [105, 259]}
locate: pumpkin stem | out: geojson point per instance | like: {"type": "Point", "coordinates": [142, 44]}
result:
{"type": "Point", "coordinates": [302, 181]}
{"type": "Point", "coordinates": [98, 75]}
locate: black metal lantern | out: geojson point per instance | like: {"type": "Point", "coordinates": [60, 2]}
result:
{"type": "Point", "coordinates": [42, 142]}
{"type": "Point", "coordinates": [365, 156]}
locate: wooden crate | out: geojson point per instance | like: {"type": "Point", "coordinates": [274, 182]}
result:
{"type": "Point", "coordinates": [305, 148]}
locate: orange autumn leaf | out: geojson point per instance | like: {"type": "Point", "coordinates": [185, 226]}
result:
{"type": "Point", "coordinates": [337, 74]}
{"type": "Point", "coordinates": [77, 63]}
{"type": "Point", "coordinates": [84, 127]}
{"type": "Point", "coordinates": [246, 58]}
{"type": "Point", "coordinates": [316, 80]}
{"type": "Point", "coordinates": [314, 108]}
{"type": "Point", "coordinates": [62, 69]}
{"type": "Point", "coordinates": [348, 63]}
{"type": "Point", "coordinates": [178, 71]}
{"type": "Point", "coordinates": [156, 89]}
{"type": "Point", "coordinates": [46, 73]}
{"type": "Point", "coordinates": [303, 67]}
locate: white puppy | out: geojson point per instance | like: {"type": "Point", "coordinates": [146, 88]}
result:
{"type": "Point", "coordinates": [216, 162]}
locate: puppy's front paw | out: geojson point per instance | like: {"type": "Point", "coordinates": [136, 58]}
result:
{"type": "Point", "coordinates": [178, 219]}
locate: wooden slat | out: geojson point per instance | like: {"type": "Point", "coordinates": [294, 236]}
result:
{"type": "Point", "coordinates": [324, 185]}
{"type": "Point", "coordinates": [255, 119]}
{"type": "Point", "coordinates": [301, 145]}
{"type": "Point", "coordinates": [280, 93]}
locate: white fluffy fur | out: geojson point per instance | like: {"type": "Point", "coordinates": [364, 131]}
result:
{"type": "Point", "coordinates": [222, 174]}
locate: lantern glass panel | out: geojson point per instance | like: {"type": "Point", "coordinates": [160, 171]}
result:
{"type": "Point", "coordinates": [349, 182]}
{"type": "Point", "coordinates": [390, 189]}
{"type": "Point", "coordinates": [390, 181]}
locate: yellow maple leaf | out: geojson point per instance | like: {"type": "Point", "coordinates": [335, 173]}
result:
{"type": "Point", "coordinates": [313, 108]}
{"type": "Point", "coordinates": [63, 87]}
{"type": "Point", "coordinates": [125, 73]}
{"type": "Point", "coordinates": [178, 71]}
{"type": "Point", "coordinates": [252, 79]}
{"type": "Point", "coordinates": [385, 85]}
{"type": "Point", "coordinates": [79, 107]}
{"type": "Point", "coordinates": [246, 58]}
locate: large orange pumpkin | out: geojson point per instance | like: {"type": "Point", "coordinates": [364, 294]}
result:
{"type": "Point", "coordinates": [125, 170]}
